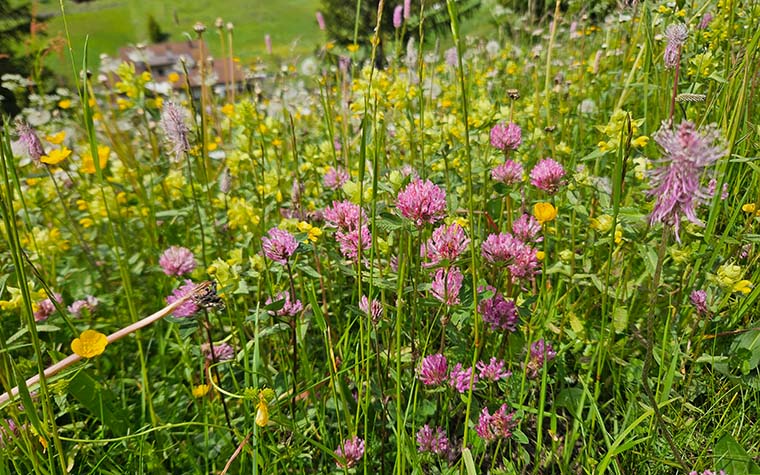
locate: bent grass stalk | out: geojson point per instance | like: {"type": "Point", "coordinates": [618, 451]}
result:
{"type": "Point", "coordinates": [113, 337]}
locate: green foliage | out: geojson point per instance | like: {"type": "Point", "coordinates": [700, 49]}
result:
{"type": "Point", "coordinates": [155, 33]}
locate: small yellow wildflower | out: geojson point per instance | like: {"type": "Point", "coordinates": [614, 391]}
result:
{"type": "Point", "coordinates": [88, 164]}
{"type": "Point", "coordinates": [262, 412]}
{"type": "Point", "coordinates": [743, 286]}
{"type": "Point", "coordinates": [353, 48]}
{"type": "Point", "coordinates": [228, 109]}
{"type": "Point", "coordinates": [544, 212]}
{"type": "Point", "coordinates": [64, 103]}
{"type": "Point", "coordinates": [173, 77]}
{"type": "Point", "coordinates": [201, 390]}
{"type": "Point", "coordinates": [540, 255]}
{"type": "Point", "coordinates": [640, 141]}
{"type": "Point", "coordinates": [89, 344]}
{"type": "Point", "coordinates": [56, 156]}
{"type": "Point", "coordinates": [750, 208]}
{"type": "Point", "coordinates": [56, 139]}
{"type": "Point", "coordinates": [312, 232]}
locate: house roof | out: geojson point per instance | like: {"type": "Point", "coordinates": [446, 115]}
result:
{"type": "Point", "coordinates": [164, 58]}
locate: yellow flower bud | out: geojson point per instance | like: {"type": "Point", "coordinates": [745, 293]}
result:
{"type": "Point", "coordinates": [544, 212]}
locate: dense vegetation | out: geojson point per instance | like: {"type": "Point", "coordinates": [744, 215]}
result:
{"type": "Point", "coordinates": [532, 252]}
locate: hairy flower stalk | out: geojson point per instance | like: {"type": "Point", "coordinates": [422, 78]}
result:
{"type": "Point", "coordinates": [199, 291]}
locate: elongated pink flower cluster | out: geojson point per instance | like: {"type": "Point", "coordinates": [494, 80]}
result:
{"type": "Point", "coordinates": [541, 352]}
{"type": "Point", "coordinates": [353, 241]}
{"type": "Point", "coordinates": [446, 243]}
{"type": "Point", "coordinates": [676, 182]}
{"type": "Point", "coordinates": [173, 122]}
{"type": "Point", "coordinates": [676, 35]}
{"type": "Point", "coordinates": [446, 285]}
{"type": "Point", "coordinates": [373, 308]}
{"type": "Point", "coordinates": [422, 202]}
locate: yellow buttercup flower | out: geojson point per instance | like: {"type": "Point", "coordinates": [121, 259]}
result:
{"type": "Point", "coordinates": [90, 343]}
{"type": "Point", "coordinates": [56, 139]}
{"type": "Point", "coordinates": [228, 109]}
{"type": "Point", "coordinates": [173, 77]}
{"type": "Point", "coordinates": [353, 48]}
{"type": "Point", "coordinates": [64, 103]}
{"type": "Point", "coordinates": [540, 255]}
{"type": "Point", "coordinates": [751, 208]}
{"type": "Point", "coordinates": [544, 212]}
{"type": "Point", "coordinates": [201, 390]}
{"type": "Point", "coordinates": [88, 164]}
{"type": "Point", "coordinates": [56, 156]}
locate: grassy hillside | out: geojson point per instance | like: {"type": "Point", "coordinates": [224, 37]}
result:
{"type": "Point", "coordinates": [112, 24]}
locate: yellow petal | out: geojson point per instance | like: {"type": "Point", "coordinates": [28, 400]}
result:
{"type": "Point", "coordinates": [90, 343]}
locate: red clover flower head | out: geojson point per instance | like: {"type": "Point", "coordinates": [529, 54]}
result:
{"type": "Point", "coordinates": [699, 300]}
{"type": "Point", "coordinates": [28, 137]}
{"type": "Point", "coordinates": [497, 426]}
{"type": "Point", "coordinates": [175, 128]}
{"type": "Point", "coordinates": [373, 308]}
{"type": "Point", "coordinates": [222, 351]}
{"type": "Point", "coordinates": [675, 182]}
{"type": "Point", "coordinates": [547, 175]}
{"type": "Point", "coordinates": [509, 173]}
{"type": "Point", "coordinates": [526, 228]}
{"type": "Point", "coordinates": [541, 353]}
{"type": "Point", "coordinates": [422, 202]}
{"type": "Point", "coordinates": [446, 285]}
{"type": "Point", "coordinates": [504, 248]}
{"type": "Point", "coordinates": [188, 308]}
{"type": "Point", "coordinates": [433, 370]}
{"type": "Point", "coordinates": [459, 378]}
{"type": "Point", "coordinates": [90, 303]}
{"type": "Point", "coordinates": [676, 34]}
{"type": "Point", "coordinates": [290, 308]}
{"type": "Point", "coordinates": [493, 370]}
{"type": "Point", "coordinates": [498, 312]}
{"type": "Point", "coordinates": [506, 136]}
{"type": "Point", "coordinates": [446, 243]}
{"type": "Point", "coordinates": [350, 241]}
{"type": "Point", "coordinates": [349, 452]}
{"type": "Point", "coordinates": [432, 441]}
{"type": "Point", "coordinates": [344, 215]}
{"type": "Point", "coordinates": [279, 246]}
{"type": "Point", "coordinates": [177, 261]}
{"type": "Point", "coordinates": [46, 308]}
{"type": "Point", "coordinates": [335, 178]}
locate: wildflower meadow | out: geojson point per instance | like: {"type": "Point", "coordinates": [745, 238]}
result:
{"type": "Point", "coordinates": [527, 249]}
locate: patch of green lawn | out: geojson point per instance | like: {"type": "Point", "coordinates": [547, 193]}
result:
{"type": "Point", "coordinates": [112, 24]}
